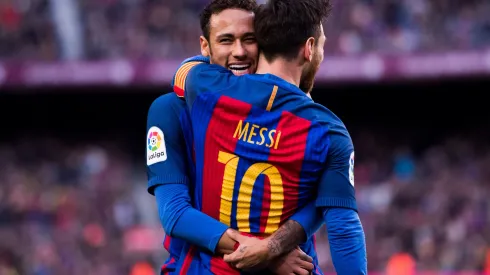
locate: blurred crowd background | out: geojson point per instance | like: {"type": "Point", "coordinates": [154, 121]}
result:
{"type": "Point", "coordinates": [138, 29]}
{"type": "Point", "coordinates": [80, 206]}
{"type": "Point", "coordinates": [82, 209]}
{"type": "Point", "coordinates": [75, 209]}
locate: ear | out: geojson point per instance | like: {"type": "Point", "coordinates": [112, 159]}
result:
{"type": "Point", "coordinates": [205, 50]}
{"type": "Point", "coordinates": [309, 46]}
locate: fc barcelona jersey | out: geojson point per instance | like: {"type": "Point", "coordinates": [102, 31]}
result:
{"type": "Point", "coordinates": [263, 149]}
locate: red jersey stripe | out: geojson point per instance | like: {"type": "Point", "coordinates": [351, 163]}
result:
{"type": "Point", "coordinates": [288, 158]}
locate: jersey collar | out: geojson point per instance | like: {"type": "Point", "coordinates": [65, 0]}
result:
{"type": "Point", "coordinates": [275, 80]}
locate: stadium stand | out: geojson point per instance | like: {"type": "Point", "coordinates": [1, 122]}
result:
{"type": "Point", "coordinates": [72, 183]}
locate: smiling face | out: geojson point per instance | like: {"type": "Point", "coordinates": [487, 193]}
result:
{"type": "Point", "coordinates": [232, 42]}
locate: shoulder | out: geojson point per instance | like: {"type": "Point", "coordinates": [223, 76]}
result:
{"type": "Point", "coordinates": [167, 102]}
{"type": "Point", "coordinates": [165, 116]}
{"type": "Point", "coordinates": [202, 72]}
{"type": "Point", "coordinates": [330, 128]}
{"type": "Point", "coordinates": [326, 118]}
{"type": "Point", "coordinates": [317, 113]}
{"type": "Point", "coordinates": [182, 74]}
{"type": "Point", "coordinates": [200, 76]}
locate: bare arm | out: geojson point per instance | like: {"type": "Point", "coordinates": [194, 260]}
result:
{"type": "Point", "coordinates": [285, 239]}
{"type": "Point", "coordinates": [226, 244]}
{"type": "Point", "coordinates": [254, 252]}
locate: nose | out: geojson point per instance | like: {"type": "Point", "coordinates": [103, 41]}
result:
{"type": "Point", "coordinates": [239, 52]}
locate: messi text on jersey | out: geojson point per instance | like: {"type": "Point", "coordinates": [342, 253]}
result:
{"type": "Point", "coordinates": [256, 134]}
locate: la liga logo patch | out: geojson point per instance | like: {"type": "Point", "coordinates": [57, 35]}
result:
{"type": "Point", "coordinates": [156, 150]}
{"type": "Point", "coordinates": [154, 141]}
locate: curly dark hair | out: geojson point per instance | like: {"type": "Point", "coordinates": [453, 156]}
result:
{"type": "Point", "coordinates": [217, 6]}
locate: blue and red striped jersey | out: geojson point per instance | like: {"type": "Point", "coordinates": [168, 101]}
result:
{"type": "Point", "coordinates": [169, 159]}
{"type": "Point", "coordinates": [263, 149]}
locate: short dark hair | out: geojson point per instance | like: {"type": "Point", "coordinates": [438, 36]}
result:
{"type": "Point", "coordinates": [283, 26]}
{"type": "Point", "coordinates": [217, 6]}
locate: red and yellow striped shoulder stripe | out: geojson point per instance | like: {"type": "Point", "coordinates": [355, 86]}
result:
{"type": "Point", "coordinates": [181, 77]}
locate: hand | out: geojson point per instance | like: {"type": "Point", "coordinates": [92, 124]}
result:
{"type": "Point", "coordinates": [295, 262]}
{"type": "Point", "coordinates": [226, 245]}
{"type": "Point", "coordinates": [251, 253]}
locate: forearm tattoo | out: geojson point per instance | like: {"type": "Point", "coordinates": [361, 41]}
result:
{"type": "Point", "coordinates": [286, 238]}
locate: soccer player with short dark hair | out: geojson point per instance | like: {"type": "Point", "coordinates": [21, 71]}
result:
{"type": "Point", "coordinates": [277, 148]}
{"type": "Point", "coordinates": [232, 44]}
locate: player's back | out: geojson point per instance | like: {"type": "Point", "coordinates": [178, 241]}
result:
{"type": "Point", "coordinates": [261, 148]}
{"type": "Point", "coordinates": [261, 145]}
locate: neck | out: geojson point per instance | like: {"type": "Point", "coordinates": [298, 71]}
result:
{"type": "Point", "coordinates": [290, 71]}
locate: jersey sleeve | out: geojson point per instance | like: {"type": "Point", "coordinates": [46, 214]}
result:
{"type": "Point", "coordinates": [178, 82]}
{"type": "Point", "coordinates": [178, 218]}
{"type": "Point", "coordinates": [195, 76]}
{"type": "Point", "coordinates": [336, 186]}
{"type": "Point", "coordinates": [310, 218]}
{"type": "Point", "coordinates": [347, 241]}
{"type": "Point", "coordinates": [165, 145]}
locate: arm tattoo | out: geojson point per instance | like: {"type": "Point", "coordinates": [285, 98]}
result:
{"type": "Point", "coordinates": [286, 238]}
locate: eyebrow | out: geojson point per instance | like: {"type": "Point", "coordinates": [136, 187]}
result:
{"type": "Point", "coordinates": [229, 35]}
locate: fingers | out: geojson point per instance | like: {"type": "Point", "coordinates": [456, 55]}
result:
{"type": "Point", "coordinates": [240, 265]}
{"type": "Point", "coordinates": [303, 268]}
{"type": "Point", "coordinates": [300, 271]}
{"type": "Point", "coordinates": [233, 257]}
{"type": "Point", "coordinates": [235, 235]}
{"type": "Point", "coordinates": [237, 262]}
{"type": "Point", "coordinates": [306, 265]}
{"type": "Point", "coordinates": [226, 251]}
{"type": "Point", "coordinates": [305, 257]}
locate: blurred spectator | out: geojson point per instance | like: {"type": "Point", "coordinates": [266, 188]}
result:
{"type": "Point", "coordinates": [142, 269]}
{"type": "Point", "coordinates": [138, 29]}
{"type": "Point", "coordinates": [67, 209]}
{"type": "Point", "coordinates": [401, 264]}
{"type": "Point", "coordinates": [83, 209]}
{"type": "Point", "coordinates": [26, 30]}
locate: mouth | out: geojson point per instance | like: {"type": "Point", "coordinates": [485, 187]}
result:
{"type": "Point", "coordinates": [240, 69]}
